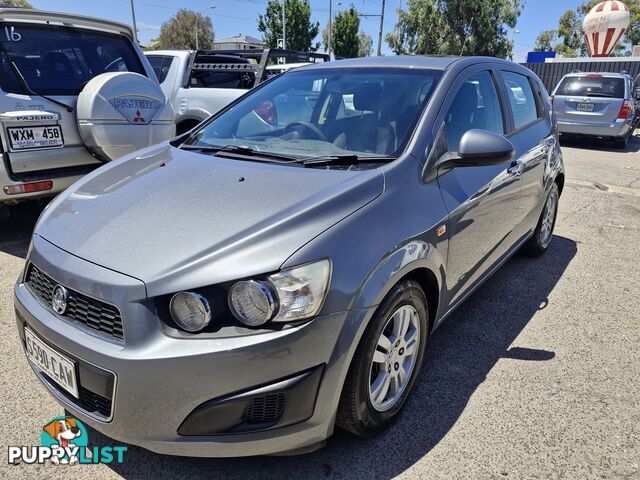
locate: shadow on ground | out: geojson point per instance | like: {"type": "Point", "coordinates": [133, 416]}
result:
{"type": "Point", "coordinates": [16, 230]}
{"type": "Point", "coordinates": [601, 144]}
{"type": "Point", "coordinates": [461, 354]}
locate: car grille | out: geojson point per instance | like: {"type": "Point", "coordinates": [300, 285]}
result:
{"type": "Point", "coordinates": [94, 314]}
{"type": "Point", "coordinates": [267, 408]}
{"type": "Point", "coordinates": [92, 402]}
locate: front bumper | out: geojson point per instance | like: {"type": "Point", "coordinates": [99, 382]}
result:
{"type": "Point", "coordinates": [618, 128]}
{"type": "Point", "coordinates": [160, 380]}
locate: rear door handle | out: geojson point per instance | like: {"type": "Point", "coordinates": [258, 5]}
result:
{"type": "Point", "coordinates": [516, 168]}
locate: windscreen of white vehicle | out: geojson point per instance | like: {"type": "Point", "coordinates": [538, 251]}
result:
{"type": "Point", "coordinates": [57, 60]}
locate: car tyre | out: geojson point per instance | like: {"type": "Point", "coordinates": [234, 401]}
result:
{"type": "Point", "coordinates": [543, 232]}
{"type": "Point", "coordinates": [621, 142]}
{"type": "Point", "coordinates": [364, 408]}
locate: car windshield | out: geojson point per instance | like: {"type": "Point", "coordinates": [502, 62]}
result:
{"type": "Point", "coordinates": [57, 60]}
{"type": "Point", "coordinates": [363, 112]}
{"type": "Point", "coordinates": [587, 86]}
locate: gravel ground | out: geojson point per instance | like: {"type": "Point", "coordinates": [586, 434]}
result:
{"type": "Point", "coordinates": [535, 376]}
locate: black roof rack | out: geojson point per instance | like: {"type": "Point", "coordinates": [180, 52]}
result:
{"type": "Point", "coordinates": [250, 61]}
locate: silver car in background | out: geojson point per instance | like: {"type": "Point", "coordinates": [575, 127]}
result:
{"type": "Point", "coordinates": [596, 104]}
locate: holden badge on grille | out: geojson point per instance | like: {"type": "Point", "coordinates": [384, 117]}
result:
{"type": "Point", "coordinates": [59, 299]}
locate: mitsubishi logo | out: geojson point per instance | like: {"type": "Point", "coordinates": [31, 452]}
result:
{"type": "Point", "coordinates": [59, 299]}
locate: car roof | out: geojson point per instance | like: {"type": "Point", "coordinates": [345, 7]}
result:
{"type": "Point", "coordinates": [406, 61]}
{"type": "Point", "coordinates": [601, 74]}
{"type": "Point", "coordinates": [45, 17]}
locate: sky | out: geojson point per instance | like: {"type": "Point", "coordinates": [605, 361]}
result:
{"type": "Point", "coordinates": [231, 17]}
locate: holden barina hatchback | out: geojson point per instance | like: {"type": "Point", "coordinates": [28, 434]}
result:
{"type": "Point", "coordinates": [279, 269]}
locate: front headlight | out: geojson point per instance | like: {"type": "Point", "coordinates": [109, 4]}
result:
{"type": "Point", "coordinates": [190, 311]}
{"type": "Point", "coordinates": [293, 294]}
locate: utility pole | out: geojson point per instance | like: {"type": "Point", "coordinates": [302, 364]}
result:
{"type": "Point", "coordinates": [135, 27]}
{"type": "Point", "coordinates": [284, 25]}
{"type": "Point", "coordinates": [330, 29]}
{"type": "Point", "coordinates": [380, 31]}
{"type": "Point", "coordinates": [198, 15]}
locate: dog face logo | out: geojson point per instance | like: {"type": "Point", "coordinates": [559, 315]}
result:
{"type": "Point", "coordinates": [59, 299]}
{"type": "Point", "coordinates": [67, 433]}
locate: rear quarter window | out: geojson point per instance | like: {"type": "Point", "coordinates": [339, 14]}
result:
{"type": "Point", "coordinates": [522, 99]}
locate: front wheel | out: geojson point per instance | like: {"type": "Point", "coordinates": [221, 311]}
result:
{"type": "Point", "coordinates": [386, 363]}
{"type": "Point", "coordinates": [543, 232]}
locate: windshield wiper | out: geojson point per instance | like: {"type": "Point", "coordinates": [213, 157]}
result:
{"type": "Point", "coordinates": [240, 151]}
{"type": "Point", "coordinates": [26, 86]}
{"type": "Point", "coordinates": [343, 160]}
{"type": "Point", "coordinates": [599, 95]}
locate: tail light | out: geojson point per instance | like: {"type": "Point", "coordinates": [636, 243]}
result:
{"type": "Point", "coordinates": [625, 110]}
{"type": "Point", "coordinates": [267, 112]}
{"type": "Point", "coordinates": [28, 187]}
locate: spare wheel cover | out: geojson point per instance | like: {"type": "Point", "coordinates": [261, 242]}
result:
{"type": "Point", "coordinates": [121, 112]}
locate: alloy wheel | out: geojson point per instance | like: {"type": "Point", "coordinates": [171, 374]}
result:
{"type": "Point", "coordinates": [394, 358]}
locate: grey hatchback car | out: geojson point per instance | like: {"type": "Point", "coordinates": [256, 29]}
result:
{"type": "Point", "coordinates": [279, 269]}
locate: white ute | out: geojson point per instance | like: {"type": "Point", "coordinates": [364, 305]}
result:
{"type": "Point", "coordinates": [75, 92]}
{"type": "Point", "coordinates": [201, 83]}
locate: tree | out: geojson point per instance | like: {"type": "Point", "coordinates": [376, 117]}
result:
{"type": "Point", "coordinates": [456, 27]}
{"type": "Point", "coordinates": [365, 46]}
{"type": "Point", "coordinates": [345, 42]}
{"type": "Point", "coordinates": [421, 29]}
{"type": "Point", "coordinates": [178, 33]}
{"type": "Point", "coordinates": [570, 31]}
{"type": "Point", "coordinates": [301, 31]}
{"type": "Point", "coordinates": [17, 3]}
{"type": "Point", "coordinates": [545, 42]}
{"type": "Point", "coordinates": [481, 28]}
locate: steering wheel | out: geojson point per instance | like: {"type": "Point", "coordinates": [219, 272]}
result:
{"type": "Point", "coordinates": [306, 127]}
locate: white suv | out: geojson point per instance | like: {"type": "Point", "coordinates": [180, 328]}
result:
{"type": "Point", "coordinates": [74, 92]}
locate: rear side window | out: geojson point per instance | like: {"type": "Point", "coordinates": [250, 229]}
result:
{"type": "Point", "coordinates": [475, 105]}
{"type": "Point", "coordinates": [58, 60]}
{"type": "Point", "coordinates": [521, 98]}
{"type": "Point", "coordinates": [161, 66]}
{"type": "Point", "coordinates": [592, 86]}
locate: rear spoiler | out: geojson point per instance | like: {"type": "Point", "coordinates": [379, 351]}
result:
{"type": "Point", "coordinates": [254, 60]}
{"type": "Point", "coordinates": [65, 19]}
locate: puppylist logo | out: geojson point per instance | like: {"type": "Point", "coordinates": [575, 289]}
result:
{"type": "Point", "coordinates": [64, 441]}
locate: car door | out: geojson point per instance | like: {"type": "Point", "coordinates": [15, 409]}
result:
{"type": "Point", "coordinates": [534, 139]}
{"type": "Point", "coordinates": [482, 200]}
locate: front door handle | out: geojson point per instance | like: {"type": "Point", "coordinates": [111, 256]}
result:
{"type": "Point", "coordinates": [516, 168]}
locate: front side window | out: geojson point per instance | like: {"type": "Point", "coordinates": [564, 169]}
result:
{"type": "Point", "coordinates": [521, 98]}
{"type": "Point", "coordinates": [61, 60]}
{"type": "Point", "coordinates": [364, 111]}
{"type": "Point", "coordinates": [475, 105]}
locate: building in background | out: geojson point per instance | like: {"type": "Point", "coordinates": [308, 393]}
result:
{"type": "Point", "coordinates": [239, 42]}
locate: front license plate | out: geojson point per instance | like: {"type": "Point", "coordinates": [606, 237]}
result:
{"type": "Point", "coordinates": [585, 107]}
{"type": "Point", "coordinates": [26, 138]}
{"type": "Point", "coordinates": [59, 368]}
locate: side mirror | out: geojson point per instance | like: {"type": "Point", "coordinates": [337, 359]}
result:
{"type": "Point", "coordinates": [479, 148]}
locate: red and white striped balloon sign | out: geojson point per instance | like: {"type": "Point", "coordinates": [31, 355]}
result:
{"type": "Point", "coordinates": [604, 26]}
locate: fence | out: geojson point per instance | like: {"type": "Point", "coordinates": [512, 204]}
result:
{"type": "Point", "coordinates": [552, 72]}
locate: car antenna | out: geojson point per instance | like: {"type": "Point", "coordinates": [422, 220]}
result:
{"type": "Point", "coordinates": [26, 86]}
